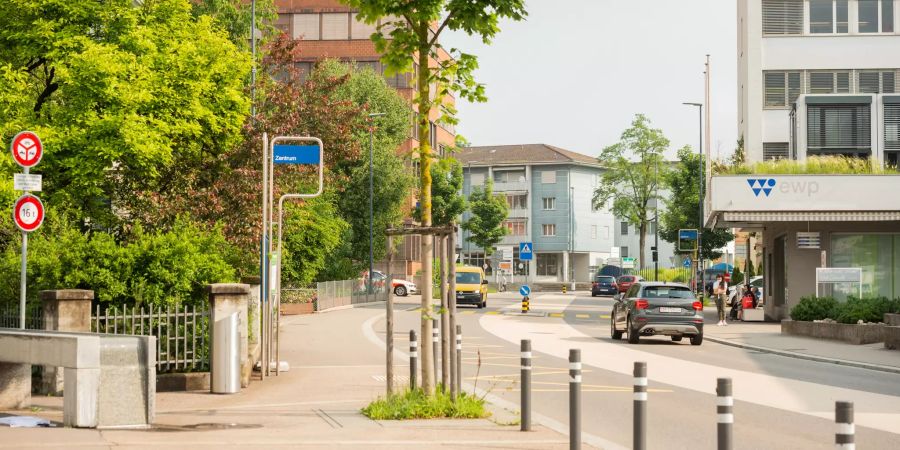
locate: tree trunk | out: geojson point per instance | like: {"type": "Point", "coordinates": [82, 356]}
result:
{"type": "Point", "coordinates": [642, 229]}
{"type": "Point", "coordinates": [424, 107]}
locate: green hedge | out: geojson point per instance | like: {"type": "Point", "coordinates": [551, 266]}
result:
{"type": "Point", "coordinates": [851, 311]}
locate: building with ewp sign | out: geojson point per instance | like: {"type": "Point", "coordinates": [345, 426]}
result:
{"type": "Point", "coordinates": [817, 78]}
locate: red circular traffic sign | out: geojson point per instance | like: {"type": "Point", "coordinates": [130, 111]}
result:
{"type": "Point", "coordinates": [28, 213]}
{"type": "Point", "coordinates": [27, 149]}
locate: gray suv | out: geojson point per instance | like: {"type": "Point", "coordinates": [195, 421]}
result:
{"type": "Point", "coordinates": [651, 308]}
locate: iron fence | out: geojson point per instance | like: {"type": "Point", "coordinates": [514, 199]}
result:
{"type": "Point", "coordinates": [332, 294]}
{"type": "Point", "coordinates": [34, 316]}
{"type": "Point", "coordinates": [181, 331]}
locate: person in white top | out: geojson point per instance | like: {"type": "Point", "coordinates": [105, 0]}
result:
{"type": "Point", "coordinates": [720, 292]}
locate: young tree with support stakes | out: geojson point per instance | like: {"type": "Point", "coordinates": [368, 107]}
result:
{"type": "Point", "coordinates": [485, 226]}
{"type": "Point", "coordinates": [634, 169]}
{"type": "Point", "coordinates": [408, 38]}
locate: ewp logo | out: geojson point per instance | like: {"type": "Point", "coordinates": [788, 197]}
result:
{"type": "Point", "coordinates": [763, 185]}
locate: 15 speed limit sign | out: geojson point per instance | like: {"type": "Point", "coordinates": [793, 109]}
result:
{"type": "Point", "coordinates": [28, 213]}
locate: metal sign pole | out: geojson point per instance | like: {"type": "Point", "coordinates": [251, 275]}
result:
{"type": "Point", "coordinates": [22, 281]}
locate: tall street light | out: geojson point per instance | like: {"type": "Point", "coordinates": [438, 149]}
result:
{"type": "Point", "coordinates": [700, 201]}
{"type": "Point", "coordinates": [372, 201]}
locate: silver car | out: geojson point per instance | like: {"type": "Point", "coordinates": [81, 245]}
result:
{"type": "Point", "coordinates": [651, 308]}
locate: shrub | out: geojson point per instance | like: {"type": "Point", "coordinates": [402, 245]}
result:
{"type": "Point", "coordinates": [414, 404]}
{"type": "Point", "coordinates": [814, 308]}
{"type": "Point", "coordinates": [865, 309]}
{"type": "Point", "coordinates": [812, 165]}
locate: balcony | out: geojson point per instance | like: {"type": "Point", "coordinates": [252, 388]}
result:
{"type": "Point", "coordinates": [513, 240]}
{"type": "Point", "coordinates": [515, 186]}
{"type": "Point", "coordinates": [518, 213]}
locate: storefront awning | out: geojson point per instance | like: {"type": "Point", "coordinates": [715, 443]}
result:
{"type": "Point", "coordinates": [810, 216]}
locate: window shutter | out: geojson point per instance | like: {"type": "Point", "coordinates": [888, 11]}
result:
{"type": "Point", "coordinates": [335, 26]}
{"type": "Point", "coordinates": [360, 29]}
{"type": "Point", "coordinates": [838, 128]}
{"type": "Point", "coordinates": [887, 82]}
{"type": "Point", "coordinates": [548, 177]}
{"type": "Point", "coordinates": [782, 16]}
{"type": "Point", "coordinates": [776, 150]}
{"type": "Point", "coordinates": [306, 26]}
{"type": "Point", "coordinates": [821, 82]}
{"type": "Point", "coordinates": [868, 82]}
{"type": "Point", "coordinates": [892, 126]}
{"type": "Point", "coordinates": [774, 82]}
{"type": "Point", "coordinates": [842, 82]}
{"type": "Point", "coordinates": [794, 87]}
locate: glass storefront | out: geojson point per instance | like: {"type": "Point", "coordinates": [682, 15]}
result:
{"type": "Point", "coordinates": [879, 257]}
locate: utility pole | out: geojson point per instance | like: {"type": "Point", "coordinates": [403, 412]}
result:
{"type": "Point", "coordinates": [372, 205]}
{"type": "Point", "coordinates": [699, 280]}
{"type": "Point", "coordinates": [708, 161]}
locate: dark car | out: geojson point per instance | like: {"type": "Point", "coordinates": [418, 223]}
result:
{"type": "Point", "coordinates": [625, 281]}
{"type": "Point", "coordinates": [656, 308]}
{"type": "Point", "coordinates": [604, 285]}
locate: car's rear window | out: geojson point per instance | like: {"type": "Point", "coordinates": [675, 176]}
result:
{"type": "Point", "coordinates": [626, 279]}
{"type": "Point", "coordinates": [606, 279]}
{"type": "Point", "coordinates": [667, 292]}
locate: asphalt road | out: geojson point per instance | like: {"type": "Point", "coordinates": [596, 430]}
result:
{"type": "Point", "coordinates": [780, 402]}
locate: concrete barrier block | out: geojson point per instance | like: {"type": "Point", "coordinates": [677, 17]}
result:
{"type": "Point", "coordinates": [80, 404]}
{"type": "Point", "coordinates": [892, 338]}
{"type": "Point", "coordinates": [850, 333]}
{"type": "Point", "coordinates": [15, 385]}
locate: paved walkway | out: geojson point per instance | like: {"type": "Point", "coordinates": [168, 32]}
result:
{"type": "Point", "coordinates": [766, 336]}
{"type": "Point", "coordinates": [335, 372]}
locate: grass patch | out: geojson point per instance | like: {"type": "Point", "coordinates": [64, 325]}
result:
{"type": "Point", "coordinates": [414, 404]}
{"type": "Point", "coordinates": [814, 165]}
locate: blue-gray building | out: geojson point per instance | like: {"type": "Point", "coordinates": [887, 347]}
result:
{"type": "Point", "coordinates": [548, 191]}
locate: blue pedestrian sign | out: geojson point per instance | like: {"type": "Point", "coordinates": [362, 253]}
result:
{"type": "Point", "coordinates": [296, 154]}
{"type": "Point", "coordinates": [525, 290]}
{"type": "Point", "coordinates": [687, 262]}
{"type": "Point", "coordinates": [526, 252]}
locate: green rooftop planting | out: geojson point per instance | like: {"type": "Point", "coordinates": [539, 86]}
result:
{"type": "Point", "coordinates": [814, 165]}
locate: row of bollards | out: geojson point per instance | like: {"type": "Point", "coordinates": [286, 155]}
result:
{"type": "Point", "coordinates": [844, 437]}
{"type": "Point", "coordinates": [456, 376]}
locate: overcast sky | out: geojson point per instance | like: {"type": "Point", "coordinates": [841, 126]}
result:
{"type": "Point", "coordinates": [576, 72]}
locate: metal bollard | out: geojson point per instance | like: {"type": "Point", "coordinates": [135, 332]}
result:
{"type": "Point", "coordinates": [574, 399]}
{"type": "Point", "coordinates": [413, 358]}
{"type": "Point", "coordinates": [436, 353]}
{"type": "Point", "coordinates": [526, 385]}
{"type": "Point", "coordinates": [725, 414]}
{"type": "Point", "coordinates": [640, 406]}
{"type": "Point", "coordinates": [845, 437]}
{"type": "Point", "coordinates": [563, 289]}
{"type": "Point", "coordinates": [459, 359]}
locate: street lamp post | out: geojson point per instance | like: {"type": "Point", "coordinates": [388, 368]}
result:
{"type": "Point", "coordinates": [655, 252]}
{"type": "Point", "coordinates": [700, 205]}
{"type": "Point", "coordinates": [372, 204]}
{"type": "Point", "coordinates": [464, 237]}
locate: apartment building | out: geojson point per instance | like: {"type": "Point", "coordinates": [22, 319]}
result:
{"type": "Point", "coordinates": [817, 77]}
{"type": "Point", "coordinates": [549, 192]}
{"type": "Point", "coordinates": [329, 29]}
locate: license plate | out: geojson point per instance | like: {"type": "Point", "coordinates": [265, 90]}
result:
{"type": "Point", "coordinates": [666, 309]}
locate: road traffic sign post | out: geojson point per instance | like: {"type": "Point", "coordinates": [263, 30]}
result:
{"type": "Point", "coordinates": [525, 291]}
{"type": "Point", "coordinates": [526, 253]}
{"type": "Point", "coordinates": [28, 211]}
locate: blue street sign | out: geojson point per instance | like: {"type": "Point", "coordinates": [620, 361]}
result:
{"type": "Point", "coordinates": [525, 290]}
{"type": "Point", "coordinates": [526, 252]}
{"type": "Point", "coordinates": [687, 235]}
{"type": "Point", "coordinates": [296, 154]}
{"type": "Point", "coordinates": [687, 262]}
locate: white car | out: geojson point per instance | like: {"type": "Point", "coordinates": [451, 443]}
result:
{"type": "Point", "coordinates": [755, 282]}
{"type": "Point", "coordinates": [404, 288]}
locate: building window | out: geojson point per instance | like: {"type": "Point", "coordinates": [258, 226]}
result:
{"type": "Point", "coordinates": [831, 82]}
{"type": "Point", "coordinates": [828, 16]}
{"type": "Point", "coordinates": [624, 228]}
{"type": "Point", "coordinates": [875, 16]}
{"type": "Point", "coordinates": [781, 88]}
{"type": "Point", "coordinates": [515, 227]}
{"type": "Point", "coordinates": [876, 82]}
{"type": "Point", "coordinates": [623, 252]}
{"type": "Point", "coordinates": [775, 150]}
{"type": "Point", "coordinates": [782, 17]}
{"type": "Point", "coordinates": [548, 264]}
{"type": "Point", "coordinates": [306, 27]}
{"type": "Point", "coordinates": [517, 201]}
{"type": "Point", "coordinates": [593, 231]}
{"type": "Point", "coordinates": [360, 29]}
{"type": "Point", "coordinates": [476, 179]}
{"type": "Point", "coordinates": [548, 229]}
{"type": "Point", "coordinates": [509, 176]}
{"type": "Point", "coordinates": [839, 129]}
{"type": "Point", "coordinates": [548, 177]}
{"type": "Point", "coordinates": [549, 203]}
{"type": "Point", "coordinates": [335, 26]}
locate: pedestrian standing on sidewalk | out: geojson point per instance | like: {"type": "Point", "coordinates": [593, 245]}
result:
{"type": "Point", "coordinates": [720, 290]}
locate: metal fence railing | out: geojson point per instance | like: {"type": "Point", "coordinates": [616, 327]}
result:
{"type": "Point", "coordinates": [181, 331]}
{"type": "Point", "coordinates": [332, 294]}
{"type": "Point", "coordinates": [34, 316]}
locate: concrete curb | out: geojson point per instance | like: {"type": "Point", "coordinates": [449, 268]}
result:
{"type": "Point", "coordinates": [341, 308]}
{"type": "Point", "coordinates": [822, 359]}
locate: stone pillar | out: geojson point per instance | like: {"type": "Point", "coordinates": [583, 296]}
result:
{"type": "Point", "coordinates": [253, 315]}
{"type": "Point", "coordinates": [63, 310]}
{"type": "Point", "coordinates": [226, 299]}
{"type": "Point", "coordinates": [15, 386]}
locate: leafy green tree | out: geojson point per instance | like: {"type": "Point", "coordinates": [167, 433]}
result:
{"type": "Point", "coordinates": [410, 38]}
{"type": "Point", "coordinates": [683, 209]}
{"type": "Point", "coordinates": [313, 229]}
{"type": "Point", "coordinates": [119, 92]}
{"type": "Point", "coordinates": [235, 16]}
{"type": "Point", "coordinates": [446, 191]}
{"type": "Point", "coordinates": [634, 171]}
{"type": "Point", "coordinates": [485, 226]}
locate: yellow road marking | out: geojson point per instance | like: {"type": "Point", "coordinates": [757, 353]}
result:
{"type": "Point", "coordinates": [493, 312]}
{"type": "Point", "coordinates": [604, 316]}
{"type": "Point", "coordinates": [583, 316]}
{"type": "Point", "coordinates": [556, 315]}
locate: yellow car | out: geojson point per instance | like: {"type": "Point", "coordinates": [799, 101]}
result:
{"type": "Point", "coordinates": [471, 286]}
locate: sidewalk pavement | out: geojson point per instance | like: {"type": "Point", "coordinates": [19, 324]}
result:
{"type": "Point", "coordinates": [334, 372]}
{"type": "Point", "coordinates": [767, 337]}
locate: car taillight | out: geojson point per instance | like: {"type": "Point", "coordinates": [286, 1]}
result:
{"type": "Point", "coordinates": [595, 284]}
{"type": "Point", "coordinates": [641, 304]}
{"type": "Point", "coordinates": [698, 306]}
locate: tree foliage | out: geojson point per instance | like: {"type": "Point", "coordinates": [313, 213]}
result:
{"type": "Point", "coordinates": [120, 92]}
{"type": "Point", "coordinates": [634, 168]}
{"type": "Point", "coordinates": [235, 16]}
{"type": "Point", "coordinates": [488, 213]}
{"type": "Point", "coordinates": [446, 192]}
{"type": "Point", "coordinates": [313, 229]}
{"type": "Point", "coordinates": [683, 209]}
